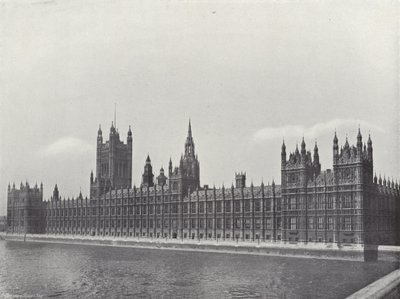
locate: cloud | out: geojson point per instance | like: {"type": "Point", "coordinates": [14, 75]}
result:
{"type": "Point", "coordinates": [317, 130]}
{"type": "Point", "coordinates": [66, 145]}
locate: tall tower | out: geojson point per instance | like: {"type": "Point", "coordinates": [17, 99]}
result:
{"type": "Point", "coordinates": [187, 175]}
{"type": "Point", "coordinates": [113, 163]}
{"type": "Point", "coordinates": [296, 172]}
{"type": "Point", "coordinates": [148, 176]}
{"type": "Point", "coordinates": [353, 166]}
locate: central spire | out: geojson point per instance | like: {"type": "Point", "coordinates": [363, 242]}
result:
{"type": "Point", "coordinates": [189, 144]}
{"type": "Point", "coordinates": [190, 130]}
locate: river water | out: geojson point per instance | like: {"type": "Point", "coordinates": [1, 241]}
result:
{"type": "Point", "coordinates": [71, 271]}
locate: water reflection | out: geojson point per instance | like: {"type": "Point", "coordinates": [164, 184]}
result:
{"type": "Point", "coordinates": [65, 271]}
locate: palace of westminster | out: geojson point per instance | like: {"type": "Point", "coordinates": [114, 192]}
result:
{"type": "Point", "coordinates": [346, 204]}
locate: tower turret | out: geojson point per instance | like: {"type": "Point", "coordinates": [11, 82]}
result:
{"type": "Point", "coordinates": [317, 165]}
{"type": "Point", "coordinates": [170, 167]}
{"type": "Point", "coordinates": [55, 193]}
{"type": "Point", "coordinates": [161, 179]}
{"type": "Point", "coordinates": [283, 154]}
{"type": "Point", "coordinates": [189, 144]}
{"type": "Point", "coordinates": [335, 148]}
{"type": "Point", "coordinates": [99, 135]}
{"type": "Point", "coordinates": [303, 147]}
{"type": "Point", "coordinates": [148, 176]}
{"type": "Point", "coordinates": [369, 149]}
{"type": "Point", "coordinates": [240, 180]}
{"type": "Point", "coordinates": [359, 144]}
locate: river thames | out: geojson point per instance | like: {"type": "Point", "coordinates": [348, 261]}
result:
{"type": "Point", "coordinates": [73, 271]}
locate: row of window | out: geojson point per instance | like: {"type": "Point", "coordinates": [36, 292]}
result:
{"type": "Point", "coordinates": [347, 223]}
{"type": "Point", "coordinates": [320, 203]}
{"type": "Point", "coordinates": [187, 223]}
{"type": "Point", "coordinates": [173, 208]}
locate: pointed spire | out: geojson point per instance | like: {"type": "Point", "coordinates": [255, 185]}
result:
{"type": "Point", "coordinates": [369, 140]}
{"type": "Point", "coordinates": [283, 146]}
{"type": "Point", "coordinates": [190, 129]}
{"type": "Point", "coordinates": [99, 132]}
{"type": "Point", "coordinates": [335, 139]}
{"type": "Point", "coordinates": [148, 159]}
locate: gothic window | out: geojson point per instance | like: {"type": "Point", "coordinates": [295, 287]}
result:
{"type": "Point", "coordinates": [237, 205]}
{"type": "Point", "coordinates": [320, 223]}
{"type": "Point", "coordinates": [247, 223]}
{"type": "Point", "coordinates": [268, 204]}
{"type": "Point", "coordinates": [247, 205]}
{"type": "Point", "coordinates": [330, 223]}
{"type": "Point", "coordinates": [293, 223]}
{"type": "Point", "coordinates": [278, 204]}
{"type": "Point", "coordinates": [209, 207]}
{"type": "Point", "coordinates": [257, 205]}
{"type": "Point", "coordinates": [268, 223]}
{"type": "Point", "coordinates": [201, 207]}
{"type": "Point", "coordinates": [185, 223]}
{"type": "Point", "coordinates": [201, 224]}
{"type": "Point", "coordinates": [293, 203]}
{"type": "Point", "coordinates": [185, 208]}
{"type": "Point", "coordinates": [228, 223]}
{"type": "Point", "coordinates": [237, 223]}
{"type": "Point", "coordinates": [218, 206]}
{"type": "Point", "coordinates": [278, 223]}
{"type": "Point", "coordinates": [193, 207]}
{"type": "Point", "coordinates": [329, 202]}
{"type": "Point", "coordinates": [310, 223]}
{"type": "Point", "coordinates": [346, 224]}
{"type": "Point", "coordinates": [209, 223]}
{"type": "Point", "coordinates": [346, 201]}
{"type": "Point", "coordinates": [228, 206]}
{"type": "Point", "coordinates": [193, 223]}
{"type": "Point", "coordinates": [257, 223]}
{"type": "Point", "coordinates": [219, 223]}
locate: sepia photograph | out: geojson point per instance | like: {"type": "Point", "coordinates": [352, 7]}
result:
{"type": "Point", "coordinates": [199, 149]}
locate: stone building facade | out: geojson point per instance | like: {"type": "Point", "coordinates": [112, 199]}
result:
{"type": "Point", "coordinates": [26, 210]}
{"type": "Point", "coordinates": [342, 205]}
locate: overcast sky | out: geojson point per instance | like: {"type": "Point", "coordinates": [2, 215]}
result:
{"type": "Point", "coordinates": [247, 73]}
